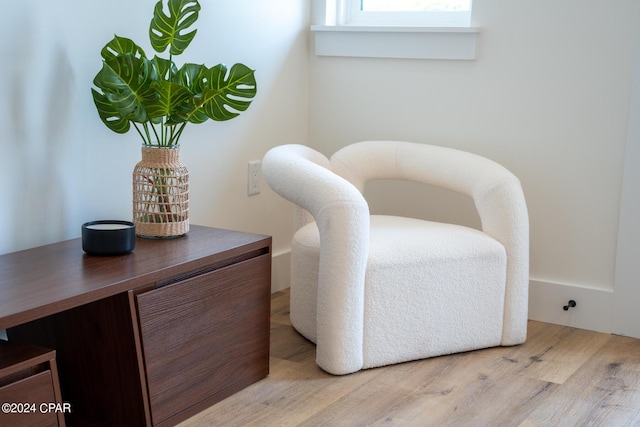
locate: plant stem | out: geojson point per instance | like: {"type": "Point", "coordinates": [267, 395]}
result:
{"type": "Point", "coordinates": [140, 133]}
{"type": "Point", "coordinates": [176, 137]}
{"type": "Point", "coordinates": [146, 130]}
{"type": "Point", "coordinates": [155, 132]}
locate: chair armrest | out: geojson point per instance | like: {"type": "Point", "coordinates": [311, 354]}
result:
{"type": "Point", "coordinates": [342, 217]}
{"type": "Point", "coordinates": [503, 213]}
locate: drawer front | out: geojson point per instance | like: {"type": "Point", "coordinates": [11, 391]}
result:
{"type": "Point", "coordinates": [33, 390]}
{"type": "Point", "coordinates": [202, 335]}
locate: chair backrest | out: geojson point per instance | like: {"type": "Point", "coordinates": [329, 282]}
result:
{"type": "Point", "coordinates": [444, 167]}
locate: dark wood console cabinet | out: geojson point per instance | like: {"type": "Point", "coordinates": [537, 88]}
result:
{"type": "Point", "coordinates": [147, 338]}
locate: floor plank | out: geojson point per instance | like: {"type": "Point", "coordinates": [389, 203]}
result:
{"type": "Point", "coordinates": [604, 391]}
{"type": "Point", "coordinates": [560, 377]}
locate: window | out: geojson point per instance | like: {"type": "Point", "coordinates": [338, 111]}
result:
{"type": "Point", "coordinates": [433, 13]}
{"type": "Point", "coordinates": [411, 29]}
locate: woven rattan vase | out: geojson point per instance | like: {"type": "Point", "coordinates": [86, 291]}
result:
{"type": "Point", "coordinates": [161, 194]}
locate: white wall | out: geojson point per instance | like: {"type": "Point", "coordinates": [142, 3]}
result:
{"type": "Point", "coordinates": [60, 166]}
{"type": "Point", "coordinates": [548, 97]}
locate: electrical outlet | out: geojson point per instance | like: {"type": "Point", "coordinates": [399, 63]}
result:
{"type": "Point", "coordinates": [253, 178]}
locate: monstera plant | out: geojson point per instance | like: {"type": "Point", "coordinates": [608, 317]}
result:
{"type": "Point", "coordinates": [158, 100]}
{"type": "Point", "coordinates": [155, 96]}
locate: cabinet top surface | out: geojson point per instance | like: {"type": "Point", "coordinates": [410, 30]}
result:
{"type": "Point", "coordinates": [48, 279]}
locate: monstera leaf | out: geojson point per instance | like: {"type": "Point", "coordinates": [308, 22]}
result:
{"type": "Point", "coordinates": [125, 84]}
{"type": "Point", "coordinates": [109, 114]}
{"type": "Point", "coordinates": [192, 76]}
{"type": "Point", "coordinates": [168, 29]}
{"type": "Point", "coordinates": [218, 95]}
{"type": "Point", "coordinates": [163, 69]}
{"type": "Point", "coordinates": [229, 93]}
{"type": "Point", "coordinates": [170, 97]}
{"type": "Point", "coordinates": [119, 46]}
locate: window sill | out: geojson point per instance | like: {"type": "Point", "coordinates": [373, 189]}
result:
{"type": "Point", "coordinates": [452, 43]}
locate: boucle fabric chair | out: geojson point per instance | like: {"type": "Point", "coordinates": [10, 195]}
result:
{"type": "Point", "coordinates": [374, 290]}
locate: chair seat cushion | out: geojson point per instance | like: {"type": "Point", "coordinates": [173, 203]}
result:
{"type": "Point", "coordinates": [431, 289]}
{"type": "Point", "coordinates": [401, 241]}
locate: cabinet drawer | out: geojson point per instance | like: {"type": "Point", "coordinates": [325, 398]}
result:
{"type": "Point", "coordinates": [33, 390]}
{"type": "Point", "coordinates": [205, 337]}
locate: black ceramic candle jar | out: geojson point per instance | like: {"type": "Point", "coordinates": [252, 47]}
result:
{"type": "Point", "coordinates": [108, 237]}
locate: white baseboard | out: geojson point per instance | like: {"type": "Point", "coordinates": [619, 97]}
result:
{"type": "Point", "coordinates": [593, 310]}
{"type": "Point", "coordinates": [280, 271]}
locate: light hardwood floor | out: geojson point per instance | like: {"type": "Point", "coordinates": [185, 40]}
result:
{"type": "Point", "coordinates": [560, 377]}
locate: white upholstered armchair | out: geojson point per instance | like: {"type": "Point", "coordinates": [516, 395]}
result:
{"type": "Point", "coordinates": [373, 290]}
